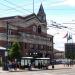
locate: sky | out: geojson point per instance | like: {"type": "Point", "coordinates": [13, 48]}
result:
{"type": "Point", "coordinates": [59, 11]}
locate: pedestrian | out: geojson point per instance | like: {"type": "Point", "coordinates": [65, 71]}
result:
{"type": "Point", "coordinates": [14, 65]}
{"type": "Point", "coordinates": [9, 65]}
{"type": "Point", "coordinates": [29, 66]}
{"type": "Point", "coordinates": [39, 65]}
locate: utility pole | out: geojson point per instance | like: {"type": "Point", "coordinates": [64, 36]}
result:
{"type": "Point", "coordinates": [7, 32]}
{"type": "Point", "coordinates": [5, 67]}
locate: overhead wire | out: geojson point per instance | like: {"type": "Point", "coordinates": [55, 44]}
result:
{"type": "Point", "coordinates": [11, 8]}
{"type": "Point", "coordinates": [17, 5]}
{"type": "Point", "coordinates": [6, 9]}
{"type": "Point", "coordinates": [60, 26]}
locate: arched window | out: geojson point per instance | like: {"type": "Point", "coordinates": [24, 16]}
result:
{"type": "Point", "coordinates": [34, 28]}
{"type": "Point", "coordinates": [39, 29]}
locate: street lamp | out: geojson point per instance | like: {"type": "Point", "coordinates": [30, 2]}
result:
{"type": "Point", "coordinates": [34, 54]}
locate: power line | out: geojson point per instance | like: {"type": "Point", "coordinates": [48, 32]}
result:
{"type": "Point", "coordinates": [11, 7]}
{"type": "Point", "coordinates": [59, 26]}
{"type": "Point", "coordinates": [17, 5]}
{"type": "Point", "coordinates": [22, 5]}
{"type": "Point", "coordinates": [6, 9]}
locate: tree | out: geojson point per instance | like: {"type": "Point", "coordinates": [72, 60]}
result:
{"type": "Point", "coordinates": [14, 51]}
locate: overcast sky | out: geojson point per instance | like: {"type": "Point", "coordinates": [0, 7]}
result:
{"type": "Point", "coordinates": [60, 11]}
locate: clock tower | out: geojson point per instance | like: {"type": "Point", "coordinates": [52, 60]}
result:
{"type": "Point", "coordinates": [41, 14]}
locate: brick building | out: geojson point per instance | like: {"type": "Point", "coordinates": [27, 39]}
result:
{"type": "Point", "coordinates": [30, 31]}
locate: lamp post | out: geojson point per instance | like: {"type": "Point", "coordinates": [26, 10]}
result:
{"type": "Point", "coordinates": [52, 54]}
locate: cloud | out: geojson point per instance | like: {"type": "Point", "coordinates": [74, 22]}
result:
{"type": "Point", "coordinates": [65, 2]}
{"type": "Point", "coordinates": [58, 4]}
{"type": "Point", "coordinates": [70, 2]}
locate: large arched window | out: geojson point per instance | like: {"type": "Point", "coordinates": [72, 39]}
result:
{"type": "Point", "coordinates": [39, 29]}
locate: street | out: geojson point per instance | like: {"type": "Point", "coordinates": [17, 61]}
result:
{"type": "Point", "coordinates": [59, 70]}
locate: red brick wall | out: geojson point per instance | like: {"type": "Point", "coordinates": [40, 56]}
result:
{"type": "Point", "coordinates": [2, 30]}
{"type": "Point", "coordinates": [3, 43]}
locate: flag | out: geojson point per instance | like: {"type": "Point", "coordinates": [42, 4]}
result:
{"type": "Point", "coordinates": [66, 35]}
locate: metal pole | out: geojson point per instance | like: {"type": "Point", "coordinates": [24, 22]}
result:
{"type": "Point", "coordinates": [52, 54]}
{"type": "Point", "coordinates": [33, 6]}
{"type": "Point", "coordinates": [7, 46]}
{"type": "Point", "coordinates": [7, 33]}
{"type": "Point", "coordinates": [5, 67]}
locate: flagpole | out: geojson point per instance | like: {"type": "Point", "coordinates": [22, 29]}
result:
{"type": "Point", "coordinates": [67, 36]}
{"type": "Point", "coordinates": [33, 6]}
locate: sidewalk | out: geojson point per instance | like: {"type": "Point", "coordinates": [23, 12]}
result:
{"type": "Point", "coordinates": [56, 67]}
{"type": "Point", "coordinates": [60, 66]}
{"type": "Point", "coordinates": [2, 70]}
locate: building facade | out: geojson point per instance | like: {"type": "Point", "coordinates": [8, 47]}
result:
{"type": "Point", "coordinates": [59, 54]}
{"type": "Point", "coordinates": [70, 50]}
{"type": "Point", "coordinates": [30, 31]}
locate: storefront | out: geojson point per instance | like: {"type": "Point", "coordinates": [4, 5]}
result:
{"type": "Point", "coordinates": [26, 62]}
{"type": "Point", "coordinates": [42, 63]}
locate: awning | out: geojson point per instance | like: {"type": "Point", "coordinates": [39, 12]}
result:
{"type": "Point", "coordinates": [2, 48]}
